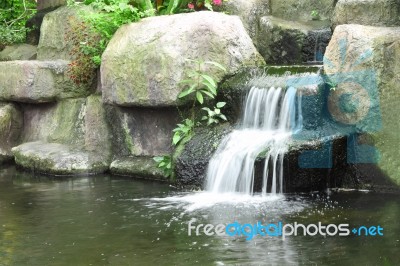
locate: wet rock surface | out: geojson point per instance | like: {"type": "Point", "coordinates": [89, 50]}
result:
{"type": "Point", "coordinates": [141, 167]}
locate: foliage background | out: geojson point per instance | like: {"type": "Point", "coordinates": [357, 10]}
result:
{"type": "Point", "coordinates": [13, 17]}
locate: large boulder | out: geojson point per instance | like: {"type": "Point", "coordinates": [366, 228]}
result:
{"type": "Point", "coordinates": [18, 52]}
{"type": "Point", "coordinates": [10, 129]}
{"type": "Point", "coordinates": [363, 63]}
{"type": "Point", "coordinates": [367, 12]}
{"type": "Point", "coordinates": [145, 61]}
{"type": "Point", "coordinates": [57, 29]}
{"type": "Point", "coordinates": [37, 81]}
{"type": "Point", "coordinates": [56, 136]}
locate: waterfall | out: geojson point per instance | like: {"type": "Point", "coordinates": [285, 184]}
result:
{"type": "Point", "coordinates": [269, 119]}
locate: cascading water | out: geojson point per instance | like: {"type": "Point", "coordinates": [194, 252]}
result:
{"type": "Point", "coordinates": [270, 117]}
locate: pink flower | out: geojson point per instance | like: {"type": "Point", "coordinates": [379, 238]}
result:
{"type": "Point", "coordinates": [217, 2]}
{"type": "Point", "coordinates": [191, 6]}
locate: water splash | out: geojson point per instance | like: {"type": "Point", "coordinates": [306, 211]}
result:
{"type": "Point", "coordinates": [270, 117]}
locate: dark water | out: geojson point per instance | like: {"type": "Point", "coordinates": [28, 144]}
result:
{"type": "Point", "coordinates": [113, 221]}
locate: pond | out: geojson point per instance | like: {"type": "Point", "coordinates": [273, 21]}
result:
{"type": "Point", "coordinates": [106, 220]}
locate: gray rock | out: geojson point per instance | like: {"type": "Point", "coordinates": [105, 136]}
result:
{"type": "Point", "coordinates": [363, 62]}
{"type": "Point", "coordinates": [249, 11]}
{"type": "Point", "coordinates": [34, 24]}
{"type": "Point", "coordinates": [44, 4]}
{"type": "Point", "coordinates": [141, 132]}
{"type": "Point", "coordinates": [77, 127]}
{"type": "Point", "coordinates": [37, 81]}
{"type": "Point", "coordinates": [281, 41]}
{"type": "Point", "coordinates": [144, 61]}
{"type": "Point", "coordinates": [191, 159]}
{"type": "Point", "coordinates": [141, 167]}
{"type": "Point", "coordinates": [18, 52]}
{"type": "Point", "coordinates": [54, 41]}
{"type": "Point", "coordinates": [10, 129]}
{"type": "Point", "coordinates": [57, 159]}
{"type": "Point", "coordinates": [367, 12]}
{"type": "Point", "coordinates": [300, 10]}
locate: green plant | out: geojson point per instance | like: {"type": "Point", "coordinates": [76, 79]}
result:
{"type": "Point", "coordinates": [315, 15]}
{"type": "Point", "coordinates": [332, 85]}
{"type": "Point", "coordinates": [214, 116]}
{"type": "Point", "coordinates": [182, 131]}
{"type": "Point", "coordinates": [165, 164]}
{"type": "Point", "coordinates": [13, 17]}
{"type": "Point", "coordinates": [167, 7]}
{"type": "Point", "coordinates": [86, 47]}
{"type": "Point", "coordinates": [200, 83]}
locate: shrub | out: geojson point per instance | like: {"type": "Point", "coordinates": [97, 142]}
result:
{"type": "Point", "coordinates": [13, 17]}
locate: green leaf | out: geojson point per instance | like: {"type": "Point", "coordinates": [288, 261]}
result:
{"type": "Point", "coordinates": [208, 5]}
{"type": "Point", "coordinates": [216, 64]}
{"type": "Point", "coordinates": [204, 118]}
{"type": "Point", "coordinates": [217, 111]}
{"type": "Point", "coordinates": [176, 139]}
{"type": "Point", "coordinates": [206, 109]}
{"type": "Point", "coordinates": [223, 117]}
{"type": "Point", "coordinates": [189, 122]}
{"type": "Point", "coordinates": [210, 87]}
{"type": "Point", "coordinates": [208, 94]}
{"type": "Point", "coordinates": [221, 104]}
{"type": "Point", "coordinates": [158, 159]}
{"type": "Point", "coordinates": [187, 92]}
{"type": "Point", "coordinates": [199, 97]}
{"type": "Point", "coordinates": [209, 79]}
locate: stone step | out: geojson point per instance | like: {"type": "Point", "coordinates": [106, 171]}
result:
{"type": "Point", "coordinates": [56, 136]}
{"type": "Point", "coordinates": [282, 41]}
{"type": "Point", "coordinates": [18, 52]}
{"type": "Point", "coordinates": [37, 82]}
{"type": "Point", "coordinates": [142, 167]}
{"type": "Point", "coordinates": [300, 10]}
{"type": "Point", "coordinates": [57, 159]}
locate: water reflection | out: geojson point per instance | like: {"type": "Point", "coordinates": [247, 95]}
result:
{"type": "Point", "coordinates": [112, 221]}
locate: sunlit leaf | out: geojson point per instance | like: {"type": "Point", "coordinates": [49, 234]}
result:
{"type": "Point", "coordinates": [199, 97]}
{"type": "Point", "coordinates": [221, 104]}
{"type": "Point", "coordinates": [209, 79]}
{"type": "Point", "coordinates": [176, 139]}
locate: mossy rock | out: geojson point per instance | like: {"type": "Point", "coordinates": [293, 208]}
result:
{"type": "Point", "coordinates": [139, 167]}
